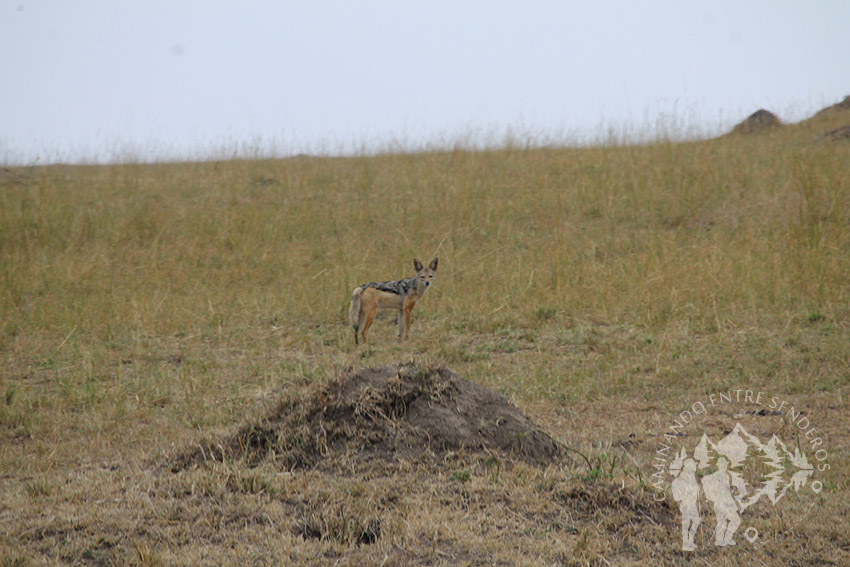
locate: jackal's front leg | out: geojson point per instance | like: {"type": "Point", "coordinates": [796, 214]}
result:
{"type": "Point", "coordinates": [400, 324]}
{"type": "Point", "coordinates": [407, 308]}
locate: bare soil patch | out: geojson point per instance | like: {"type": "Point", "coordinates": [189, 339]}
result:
{"type": "Point", "coordinates": [388, 413]}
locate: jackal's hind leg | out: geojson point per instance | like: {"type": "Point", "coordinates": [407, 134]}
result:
{"type": "Point", "coordinates": [369, 318]}
{"type": "Point", "coordinates": [407, 324]}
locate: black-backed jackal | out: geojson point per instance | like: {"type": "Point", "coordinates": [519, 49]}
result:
{"type": "Point", "coordinates": [401, 295]}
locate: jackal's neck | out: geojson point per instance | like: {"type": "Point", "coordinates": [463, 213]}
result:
{"type": "Point", "coordinates": [419, 287]}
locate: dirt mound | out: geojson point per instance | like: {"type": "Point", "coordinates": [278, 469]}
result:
{"type": "Point", "coordinates": [405, 411]}
{"type": "Point", "coordinates": [759, 121]}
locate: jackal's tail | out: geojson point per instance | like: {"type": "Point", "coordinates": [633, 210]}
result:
{"type": "Point", "coordinates": [354, 309]}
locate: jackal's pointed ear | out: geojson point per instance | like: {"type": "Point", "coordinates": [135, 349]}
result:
{"type": "Point", "coordinates": [417, 264]}
{"type": "Point", "coordinates": [433, 265]}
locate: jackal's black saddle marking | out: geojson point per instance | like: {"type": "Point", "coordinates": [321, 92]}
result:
{"type": "Point", "coordinates": [400, 287]}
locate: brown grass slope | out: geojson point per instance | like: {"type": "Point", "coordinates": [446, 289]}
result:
{"type": "Point", "coordinates": [147, 309]}
{"type": "Point", "coordinates": [830, 124]}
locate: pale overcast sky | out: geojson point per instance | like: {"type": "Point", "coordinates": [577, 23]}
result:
{"type": "Point", "coordinates": [100, 81]}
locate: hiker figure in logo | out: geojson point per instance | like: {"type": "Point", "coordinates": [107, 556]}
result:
{"type": "Point", "coordinates": [717, 489]}
{"type": "Point", "coordinates": [686, 492]}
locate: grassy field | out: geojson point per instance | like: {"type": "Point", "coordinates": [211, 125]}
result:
{"type": "Point", "coordinates": [147, 308]}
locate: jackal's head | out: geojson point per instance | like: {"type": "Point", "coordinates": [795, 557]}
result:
{"type": "Point", "coordinates": [424, 276]}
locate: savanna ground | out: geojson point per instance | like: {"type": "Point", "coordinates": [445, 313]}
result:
{"type": "Point", "coordinates": [150, 310]}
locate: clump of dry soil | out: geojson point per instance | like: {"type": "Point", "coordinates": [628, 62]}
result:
{"type": "Point", "coordinates": [405, 411]}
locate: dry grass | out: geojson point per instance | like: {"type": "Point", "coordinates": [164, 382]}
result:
{"type": "Point", "coordinates": [147, 307]}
